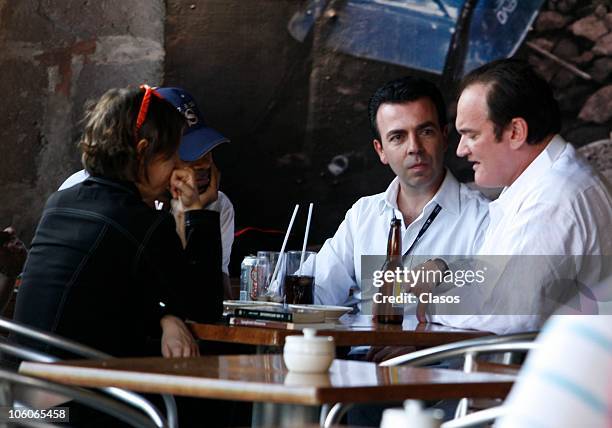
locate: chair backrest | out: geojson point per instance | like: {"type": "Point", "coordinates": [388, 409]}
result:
{"type": "Point", "coordinates": [81, 350]}
{"type": "Point", "coordinates": [96, 401]}
{"type": "Point", "coordinates": [50, 339]}
{"type": "Point", "coordinates": [465, 348]}
{"type": "Point", "coordinates": [468, 350]}
{"type": "Point", "coordinates": [487, 344]}
{"type": "Point", "coordinates": [477, 419]}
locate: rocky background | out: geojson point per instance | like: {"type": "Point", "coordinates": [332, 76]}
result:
{"type": "Point", "coordinates": [54, 56]}
{"type": "Point", "coordinates": [295, 111]}
{"type": "Point", "coordinates": [578, 35]}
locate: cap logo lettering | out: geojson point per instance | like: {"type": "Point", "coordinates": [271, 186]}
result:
{"type": "Point", "coordinates": [192, 118]}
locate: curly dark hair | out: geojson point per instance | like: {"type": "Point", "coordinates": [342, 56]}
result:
{"type": "Point", "coordinates": [109, 139]}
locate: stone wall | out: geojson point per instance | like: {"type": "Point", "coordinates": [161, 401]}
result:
{"type": "Point", "coordinates": [578, 33]}
{"type": "Point", "coordinates": [289, 107]}
{"type": "Point", "coordinates": [55, 55]}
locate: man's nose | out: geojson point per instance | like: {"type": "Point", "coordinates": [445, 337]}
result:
{"type": "Point", "coordinates": [413, 145]}
{"type": "Point", "coordinates": [462, 148]}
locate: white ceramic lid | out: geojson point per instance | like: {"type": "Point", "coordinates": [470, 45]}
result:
{"type": "Point", "coordinates": [309, 342]}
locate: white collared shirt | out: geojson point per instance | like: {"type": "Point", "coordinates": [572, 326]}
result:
{"type": "Point", "coordinates": [457, 230]}
{"type": "Point", "coordinates": [225, 208]}
{"type": "Point", "coordinates": [222, 205]}
{"type": "Point", "coordinates": [559, 206]}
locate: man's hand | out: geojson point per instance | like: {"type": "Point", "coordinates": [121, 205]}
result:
{"type": "Point", "coordinates": [378, 354]}
{"type": "Point", "coordinates": [184, 190]}
{"type": "Point", "coordinates": [177, 340]}
{"type": "Point", "coordinates": [437, 266]}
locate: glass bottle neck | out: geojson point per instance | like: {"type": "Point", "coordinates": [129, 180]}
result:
{"type": "Point", "coordinates": [394, 242]}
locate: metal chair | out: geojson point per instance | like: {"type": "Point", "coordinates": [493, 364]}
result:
{"type": "Point", "coordinates": [91, 399]}
{"type": "Point", "coordinates": [171, 419]}
{"type": "Point", "coordinates": [129, 397]}
{"type": "Point", "coordinates": [468, 349]}
{"type": "Point", "coordinates": [476, 419]}
{"type": "Point", "coordinates": [462, 348]}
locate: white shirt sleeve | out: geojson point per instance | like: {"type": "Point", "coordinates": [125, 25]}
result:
{"type": "Point", "coordinates": [335, 265]}
{"type": "Point", "coordinates": [226, 219]}
{"type": "Point", "coordinates": [537, 269]}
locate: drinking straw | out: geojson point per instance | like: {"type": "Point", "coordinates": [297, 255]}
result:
{"type": "Point", "coordinates": [280, 256]}
{"type": "Point", "coordinates": [305, 239]}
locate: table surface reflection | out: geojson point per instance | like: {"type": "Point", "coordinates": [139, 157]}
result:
{"type": "Point", "coordinates": [351, 330]}
{"type": "Point", "coordinates": [265, 378]}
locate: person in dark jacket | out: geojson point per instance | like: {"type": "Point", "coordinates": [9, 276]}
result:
{"type": "Point", "coordinates": [12, 256]}
{"type": "Point", "coordinates": [105, 268]}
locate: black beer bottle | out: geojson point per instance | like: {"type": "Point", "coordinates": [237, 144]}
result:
{"type": "Point", "coordinates": [385, 312]}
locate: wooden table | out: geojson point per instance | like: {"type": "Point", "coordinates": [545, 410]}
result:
{"type": "Point", "coordinates": [352, 330]}
{"type": "Point", "coordinates": [264, 378]}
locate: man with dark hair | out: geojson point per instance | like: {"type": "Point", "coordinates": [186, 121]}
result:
{"type": "Point", "coordinates": [404, 90]}
{"type": "Point", "coordinates": [553, 206]}
{"type": "Point", "coordinates": [438, 215]}
{"type": "Point", "coordinates": [515, 90]}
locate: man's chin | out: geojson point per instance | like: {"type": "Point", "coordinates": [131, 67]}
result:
{"type": "Point", "coordinates": [424, 181]}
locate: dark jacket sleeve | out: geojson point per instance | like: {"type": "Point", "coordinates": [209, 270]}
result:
{"type": "Point", "coordinates": [188, 281]}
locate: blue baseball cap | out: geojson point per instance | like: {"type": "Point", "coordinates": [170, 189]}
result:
{"type": "Point", "coordinates": [198, 139]}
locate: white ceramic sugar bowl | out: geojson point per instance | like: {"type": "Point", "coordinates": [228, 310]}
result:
{"type": "Point", "coordinates": [309, 353]}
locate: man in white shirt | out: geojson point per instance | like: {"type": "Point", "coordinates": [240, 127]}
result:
{"type": "Point", "coordinates": [195, 151]}
{"type": "Point", "coordinates": [554, 215]}
{"type": "Point", "coordinates": [408, 121]}
{"type": "Point", "coordinates": [566, 381]}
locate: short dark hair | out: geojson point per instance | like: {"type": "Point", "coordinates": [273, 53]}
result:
{"type": "Point", "coordinates": [516, 90]}
{"type": "Point", "coordinates": [109, 139]}
{"type": "Point", "coordinates": [403, 90]}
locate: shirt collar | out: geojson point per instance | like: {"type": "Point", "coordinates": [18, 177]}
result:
{"type": "Point", "coordinates": [447, 195]}
{"type": "Point", "coordinates": [530, 177]}
{"type": "Point", "coordinates": [389, 199]}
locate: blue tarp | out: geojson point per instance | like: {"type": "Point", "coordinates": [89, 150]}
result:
{"type": "Point", "coordinates": [417, 33]}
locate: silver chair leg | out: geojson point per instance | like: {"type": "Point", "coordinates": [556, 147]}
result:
{"type": "Point", "coordinates": [324, 412]}
{"type": "Point", "coordinates": [171, 411]}
{"type": "Point", "coordinates": [462, 408]}
{"type": "Point", "coordinates": [335, 414]}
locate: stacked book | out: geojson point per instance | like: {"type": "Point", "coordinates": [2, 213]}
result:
{"type": "Point", "coordinates": [281, 318]}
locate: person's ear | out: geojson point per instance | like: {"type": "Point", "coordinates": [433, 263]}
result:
{"type": "Point", "coordinates": [517, 132]}
{"type": "Point", "coordinates": [141, 147]}
{"type": "Point", "coordinates": [380, 151]}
